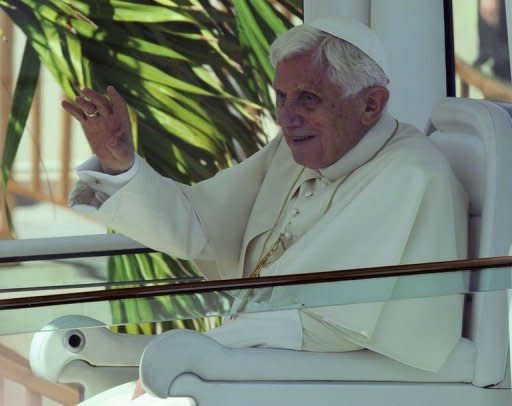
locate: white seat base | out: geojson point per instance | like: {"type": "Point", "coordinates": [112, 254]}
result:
{"type": "Point", "coordinates": [203, 357]}
{"type": "Point", "coordinates": [340, 394]}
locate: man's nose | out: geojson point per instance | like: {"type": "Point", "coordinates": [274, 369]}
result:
{"type": "Point", "coordinates": [289, 116]}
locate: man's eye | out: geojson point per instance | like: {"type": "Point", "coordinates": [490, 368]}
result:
{"type": "Point", "coordinates": [279, 97]}
{"type": "Point", "coordinates": [309, 99]}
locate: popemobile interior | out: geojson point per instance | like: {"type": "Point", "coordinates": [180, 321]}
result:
{"type": "Point", "coordinates": [57, 343]}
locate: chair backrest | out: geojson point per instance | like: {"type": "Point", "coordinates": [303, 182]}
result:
{"type": "Point", "coordinates": [476, 136]}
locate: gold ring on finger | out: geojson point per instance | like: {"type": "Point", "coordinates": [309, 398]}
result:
{"type": "Point", "coordinates": [93, 114]}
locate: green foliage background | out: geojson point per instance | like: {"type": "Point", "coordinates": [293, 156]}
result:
{"type": "Point", "coordinates": [197, 78]}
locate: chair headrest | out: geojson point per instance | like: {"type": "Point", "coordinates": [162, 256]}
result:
{"type": "Point", "coordinates": [476, 137]}
{"type": "Point", "coordinates": [469, 133]}
{"type": "Point", "coordinates": [466, 156]}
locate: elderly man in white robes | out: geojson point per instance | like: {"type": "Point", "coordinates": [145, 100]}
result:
{"type": "Point", "coordinates": [344, 185]}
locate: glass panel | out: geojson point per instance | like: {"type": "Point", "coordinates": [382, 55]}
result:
{"type": "Point", "coordinates": [188, 134]}
{"type": "Point", "coordinates": [19, 384]}
{"type": "Point", "coordinates": [481, 50]}
{"type": "Point", "coordinates": [17, 327]}
{"type": "Point", "coordinates": [51, 147]}
{"type": "Point", "coordinates": [147, 55]}
{"type": "Point", "coordinates": [40, 278]}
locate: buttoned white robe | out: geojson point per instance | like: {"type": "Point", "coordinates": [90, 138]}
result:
{"type": "Point", "coordinates": [403, 206]}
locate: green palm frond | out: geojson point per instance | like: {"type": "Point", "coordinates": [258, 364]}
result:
{"type": "Point", "coordinates": [195, 74]}
{"type": "Point", "coordinates": [22, 101]}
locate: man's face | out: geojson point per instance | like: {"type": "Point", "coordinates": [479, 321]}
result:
{"type": "Point", "coordinates": [319, 125]}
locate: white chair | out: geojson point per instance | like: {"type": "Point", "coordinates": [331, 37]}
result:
{"type": "Point", "coordinates": [79, 349]}
{"type": "Point", "coordinates": [476, 136]}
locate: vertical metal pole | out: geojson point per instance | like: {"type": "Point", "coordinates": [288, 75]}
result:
{"type": "Point", "coordinates": [449, 43]}
{"type": "Point", "coordinates": [2, 390]}
{"type": "Point", "coordinates": [508, 11]}
{"type": "Point", "coordinates": [35, 120]}
{"type": "Point", "coordinates": [65, 165]}
{"type": "Point", "coordinates": [6, 87]}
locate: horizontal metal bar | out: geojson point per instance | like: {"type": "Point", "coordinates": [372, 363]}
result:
{"type": "Point", "coordinates": [41, 249]}
{"type": "Point", "coordinates": [252, 283]}
{"type": "Point", "coordinates": [106, 284]}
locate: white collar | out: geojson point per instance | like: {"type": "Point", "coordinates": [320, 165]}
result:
{"type": "Point", "coordinates": [373, 140]}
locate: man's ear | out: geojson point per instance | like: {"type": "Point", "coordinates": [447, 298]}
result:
{"type": "Point", "coordinates": [374, 102]}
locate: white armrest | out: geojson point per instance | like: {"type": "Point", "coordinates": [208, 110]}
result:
{"type": "Point", "coordinates": [182, 352]}
{"type": "Point", "coordinates": [78, 349]}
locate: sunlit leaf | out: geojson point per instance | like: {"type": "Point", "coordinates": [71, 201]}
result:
{"type": "Point", "coordinates": [21, 103]}
{"type": "Point", "coordinates": [268, 15]}
{"type": "Point", "coordinates": [74, 48]}
{"type": "Point", "coordinates": [127, 11]}
{"type": "Point", "coordinates": [196, 79]}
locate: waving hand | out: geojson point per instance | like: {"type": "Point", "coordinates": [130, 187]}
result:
{"type": "Point", "coordinates": [106, 124]}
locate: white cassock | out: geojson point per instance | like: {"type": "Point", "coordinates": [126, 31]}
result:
{"type": "Point", "coordinates": [392, 199]}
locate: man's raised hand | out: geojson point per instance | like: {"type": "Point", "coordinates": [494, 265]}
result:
{"type": "Point", "coordinates": [106, 124]}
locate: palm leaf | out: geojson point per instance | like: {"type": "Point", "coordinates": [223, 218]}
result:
{"type": "Point", "coordinates": [196, 76]}
{"type": "Point", "coordinates": [21, 103]}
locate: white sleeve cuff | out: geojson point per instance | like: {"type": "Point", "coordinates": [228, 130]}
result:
{"type": "Point", "coordinates": [102, 183]}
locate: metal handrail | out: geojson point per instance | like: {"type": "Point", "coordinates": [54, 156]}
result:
{"type": "Point", "coordinates": [68, 247]}
{"type": "Point", "coordinates": [253, 283]}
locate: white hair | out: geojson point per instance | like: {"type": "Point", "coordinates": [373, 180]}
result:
{"type": "Point", "coordinates": [347, 66]}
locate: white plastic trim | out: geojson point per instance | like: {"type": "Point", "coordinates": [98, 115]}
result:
{"type": "Point", "coordinates": [66, 245]}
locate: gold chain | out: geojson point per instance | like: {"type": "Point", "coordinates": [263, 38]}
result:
{"type": "Point", "coordinates": [264, 261]}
